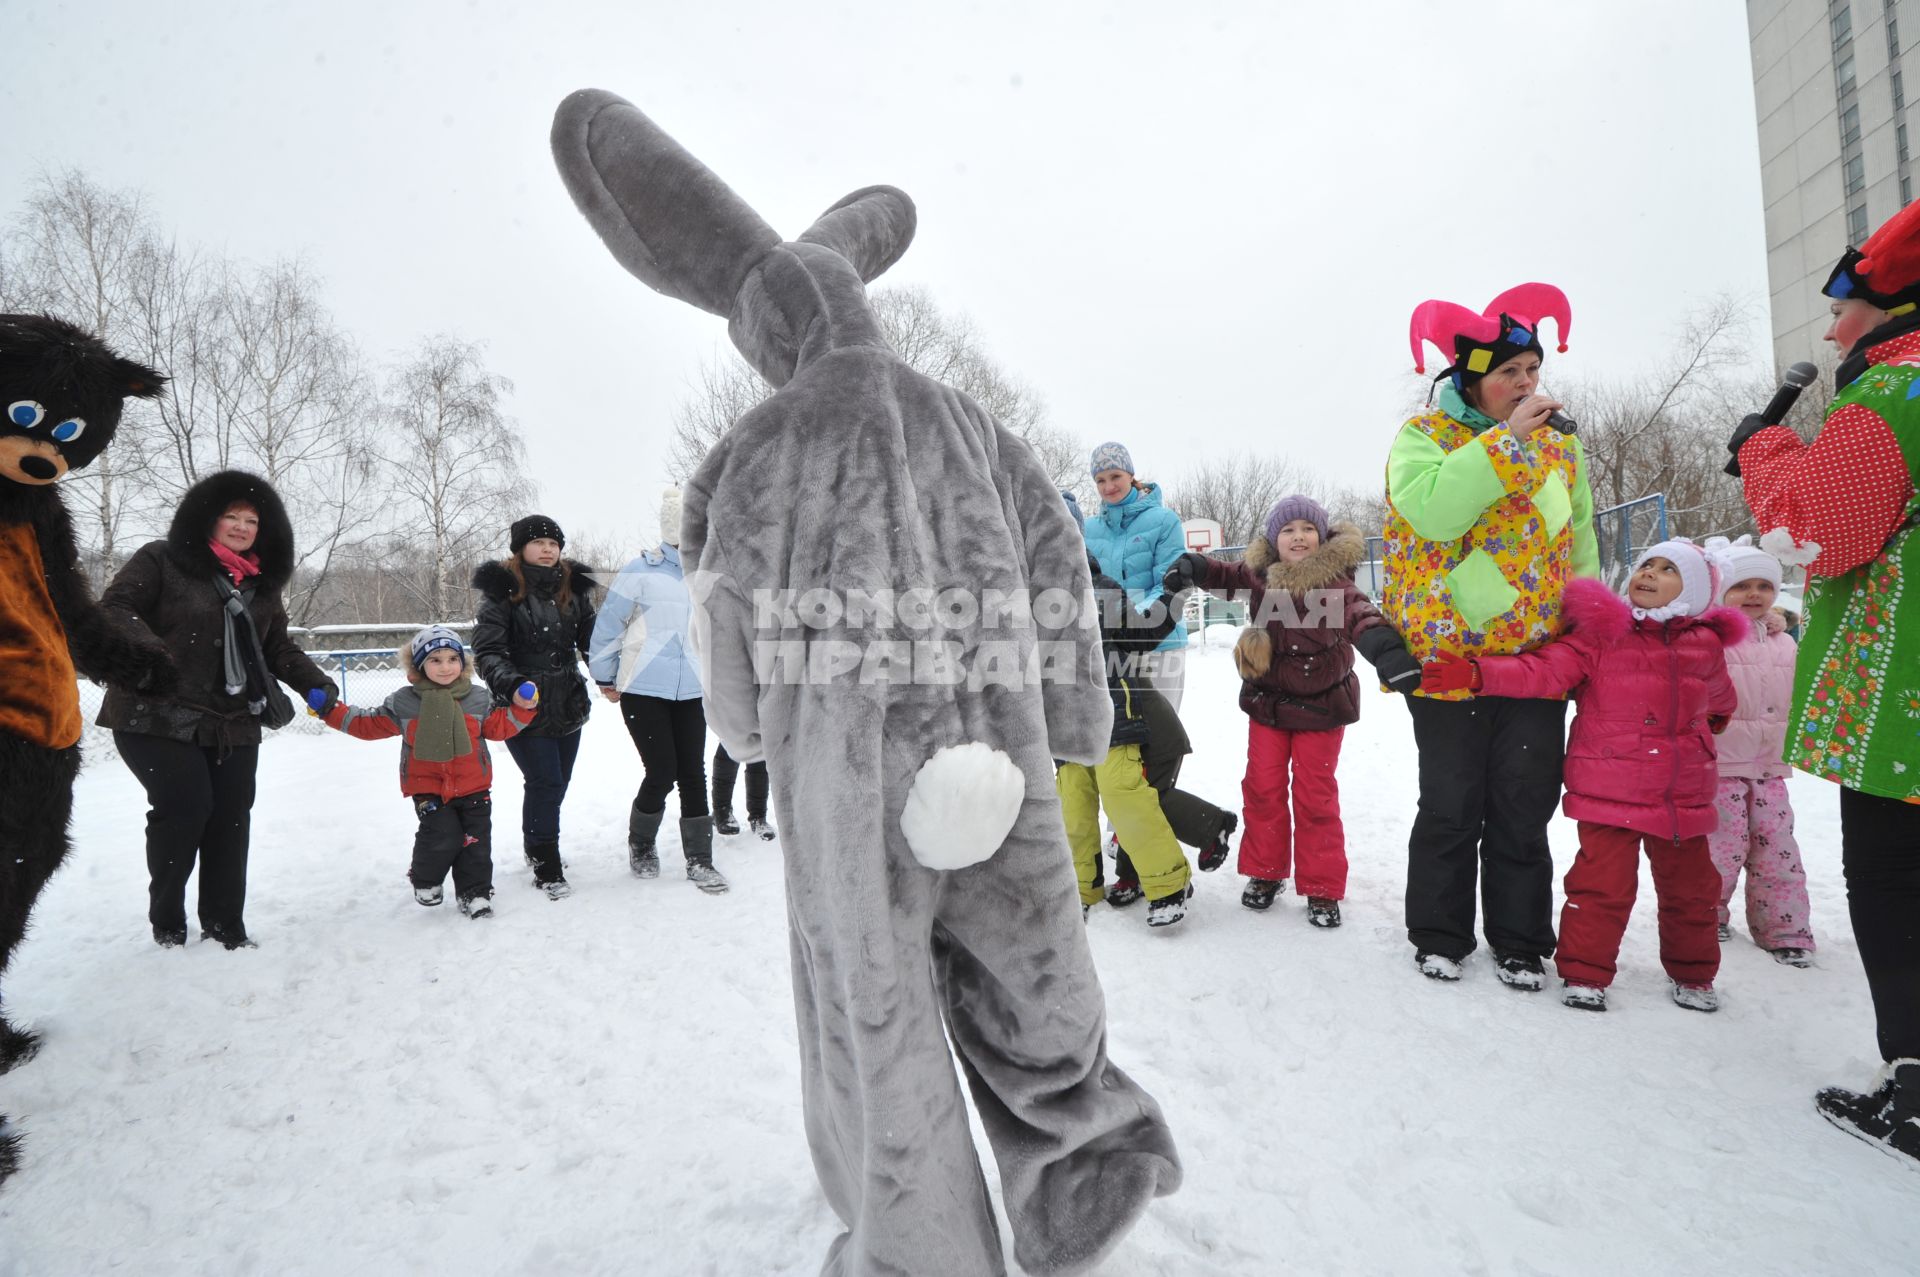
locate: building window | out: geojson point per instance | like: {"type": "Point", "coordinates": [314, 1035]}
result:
{"type": "Point", "coordinates": [1842, 24]}
{"type": "Point", "coordinates": [1900, 139]}
{"type": "Point", "coordinates": [1843, 72]}
{"type": "Point", "coordinates": [1850, 128]}
{"type": "Point", "coordinates": [1899, 92]}
{"type": "Point", "coordinates": [1906, 190]}
{"type": "Point", "coordinates": [1857, 225]}
{"type": "Point", "coordinates": [1855, 172]}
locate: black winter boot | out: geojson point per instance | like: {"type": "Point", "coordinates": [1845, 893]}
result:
{"type": "Point", "coordinates": [1215, 854]}
{"type": "Point", "coordinates": [696, 840]}
{"type": "Point", "coordinates": [1887, 1117]}
{"type": "Point", "coordinates": [548, 875]}
{"type": "Point", "coordinates": [642, 828]}
{"type": "Point", "coordinates": [1261, 891]}
{"type": "Point", "coordinates": [724, 822]}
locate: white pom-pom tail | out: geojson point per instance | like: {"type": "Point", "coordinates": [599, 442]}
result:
{"type": "Point", "coordinates": [962, 805]}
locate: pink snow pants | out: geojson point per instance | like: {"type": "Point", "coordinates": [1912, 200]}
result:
{"type": "Point", "coordinates": [1311, 834]}
{"type": "Point", "coordinates": [1756, 831]}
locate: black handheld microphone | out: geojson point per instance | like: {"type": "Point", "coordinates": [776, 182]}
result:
{"type": "Point", "coordinates": [1562, 422]}
{"type": "Point", "coordinates": [1797, 378]}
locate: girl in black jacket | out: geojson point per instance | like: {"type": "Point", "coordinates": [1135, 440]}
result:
{"type": "Point", "coordinates": [535, 622]}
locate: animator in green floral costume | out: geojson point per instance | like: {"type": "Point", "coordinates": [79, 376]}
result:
{"type": "Point", "coordinates": [1490, 515]}
{"type": "Point", "coordinates": [1846, 502]}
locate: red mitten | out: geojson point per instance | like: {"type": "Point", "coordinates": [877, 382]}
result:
{"type": "Point", "coordinates": [1450, 673]}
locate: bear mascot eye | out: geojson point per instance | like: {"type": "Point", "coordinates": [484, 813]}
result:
{"type": "Point", "coordinates": [70, 429]}
{"type": "Point", "coordinates": [25, 413]}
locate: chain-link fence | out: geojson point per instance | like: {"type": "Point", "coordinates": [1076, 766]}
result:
{"type": "Point", "coordinates": [365, 673]}
{"type": "Point", "coordinates": [1623, 531]}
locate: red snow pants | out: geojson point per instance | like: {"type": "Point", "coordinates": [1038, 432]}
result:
{"type": "Point", "coordinates": [1600, 889]}
{"type": "Point", "coordinates": [1311, 834]}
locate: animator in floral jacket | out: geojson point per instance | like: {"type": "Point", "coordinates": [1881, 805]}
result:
{"type": "Point", "coordinates": [1489, 517]}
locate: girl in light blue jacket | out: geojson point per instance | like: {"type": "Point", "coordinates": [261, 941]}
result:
{"type": "Point", "coordinates": [642, 660]}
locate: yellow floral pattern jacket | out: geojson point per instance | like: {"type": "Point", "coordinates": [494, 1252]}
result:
{"type": "Point", "coordinates": [1484, 530]}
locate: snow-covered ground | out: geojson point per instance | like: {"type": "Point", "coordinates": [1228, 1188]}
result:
{"type": "Point", "coordinates": [608, 1084]}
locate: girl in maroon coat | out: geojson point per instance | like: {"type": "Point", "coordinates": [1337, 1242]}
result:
{"type": "Point", "coordinates": [1649, 675]}
{"type": "Point", "coordinates": [1299, 692]}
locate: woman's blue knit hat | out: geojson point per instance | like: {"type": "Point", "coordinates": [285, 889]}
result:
{"type": "Point", "coordinates": [1111, 456]}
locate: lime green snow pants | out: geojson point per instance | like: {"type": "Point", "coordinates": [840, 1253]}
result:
{"type": "Point", "coordinates": [1133, 806]}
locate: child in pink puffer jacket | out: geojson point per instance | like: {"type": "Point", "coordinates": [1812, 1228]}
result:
{"type": "Point", "coordinates": [1756, 820]}
{"type": "Point", "coordinates": [1649, 675]}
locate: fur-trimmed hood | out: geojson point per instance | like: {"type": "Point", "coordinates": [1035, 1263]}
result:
{"type": "Point", "coordinates": [495, 580]}
{"type": "Point", "coordinates": [1589, 606]}
{"type": "Point", "coordinates": [1329, 564]}
{"type": "Point", "coordinates": [207, 500]}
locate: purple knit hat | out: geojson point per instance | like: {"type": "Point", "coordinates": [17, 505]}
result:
{"type": "Point", "coordinates": [1297, 506]}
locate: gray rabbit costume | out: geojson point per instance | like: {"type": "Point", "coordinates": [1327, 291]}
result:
{"type": "Point", "coordinates": [860, 474]}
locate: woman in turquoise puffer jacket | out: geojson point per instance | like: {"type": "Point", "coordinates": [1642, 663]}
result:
{"type": "Point", "coordinates": [1136, 540]}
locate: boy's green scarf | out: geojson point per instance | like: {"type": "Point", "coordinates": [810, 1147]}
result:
{"type": "Point", "coordinates": [441, 734]}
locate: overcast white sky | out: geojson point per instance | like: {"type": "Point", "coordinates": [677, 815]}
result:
{"type": "Point", "coordinates": [1194, 228]}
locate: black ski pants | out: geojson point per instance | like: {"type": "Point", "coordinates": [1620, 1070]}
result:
{"type": "Point", "coordinates": [1195, 821]}
{"type": "Point", "coordinates": [200, 805]}
{"type": "Point", "coordinates": [454, 834]}
{"type": "Point", "coordinates": [1489, 783]}
{"type": "Point", "coordinates": [1880, 856]}
{"type": "Point", "coordinates": [726, 771]}
{"type": "Point", "coordinates": [672, 739]}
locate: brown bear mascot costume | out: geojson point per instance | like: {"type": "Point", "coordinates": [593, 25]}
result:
{"type": "Point", "coordinates": [61, 391]}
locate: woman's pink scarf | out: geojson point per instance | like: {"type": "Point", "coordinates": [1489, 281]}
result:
{"type": "Point", "coordinates": [239, 566]}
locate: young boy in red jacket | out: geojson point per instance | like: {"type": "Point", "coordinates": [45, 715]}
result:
{"type": "Point", "coordinates": [1649, 675]}
{"type": "Point", "coordinates": [444, 721]}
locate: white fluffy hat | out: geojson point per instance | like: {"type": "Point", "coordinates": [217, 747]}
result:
{"type": "Point", "coordinates": [670, 516]}
{"type": "Point", "coordinates": [1742, 560]}
{"type": "Point", "coordinates": [1699, 579]}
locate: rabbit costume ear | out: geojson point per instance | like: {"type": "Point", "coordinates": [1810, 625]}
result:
{"type": "Point", "coordinates": [870, 228]}
{"type": "Point", "coordinates": [664, 214]}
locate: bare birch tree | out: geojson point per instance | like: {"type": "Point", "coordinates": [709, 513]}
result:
{"type": "Point", "coordinates": [1237, 491]}
{"type": "Point", "coordinates": [73, 251]}
{"type": "Point", "coordinates": [455, 466]}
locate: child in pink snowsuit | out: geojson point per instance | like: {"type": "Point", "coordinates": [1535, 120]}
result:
{"type": "Point", "coordinates": [1649, 675]}
{"type": "Point", "coordinates": [1756, 820]}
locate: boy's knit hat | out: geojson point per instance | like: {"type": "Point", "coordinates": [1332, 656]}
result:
{"type": "Point", "coordinates": [1111, 456]}
{"type": "Point", "coordinates": [1742, 560]}
{"type": "Point", "coordinates": [431, 640]}
{"type": "Point", "coordinates": [1699, 579]}
{"type": "Point", "coordinates": [670, 503]}
{"type": "Point", "coordinates": [532, 528]}
{"type": "Point", "coordinates": [1297, 506]}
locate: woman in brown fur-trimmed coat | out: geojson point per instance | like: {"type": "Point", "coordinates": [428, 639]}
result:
{"type": "Point", "coordinates": [211, 593]}
{"type": "Point", "coordinates": [1299, 692]}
